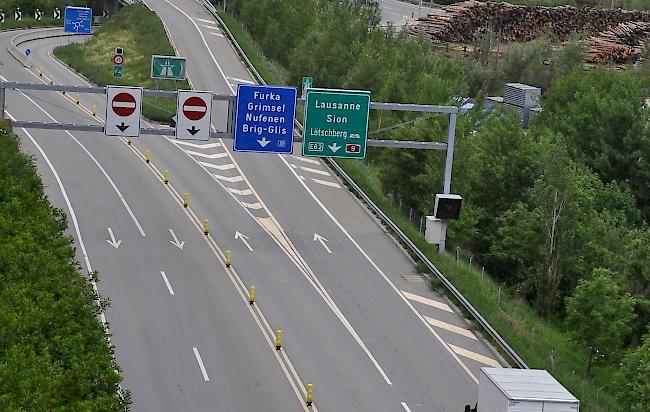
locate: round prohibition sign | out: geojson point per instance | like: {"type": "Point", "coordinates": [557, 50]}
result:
{"type": "Point", "coordinates": [195, 108]}
{"type": "Point", "coordinates": [123, 104]}
{"type": "Point", "coordinates": [117, 59]}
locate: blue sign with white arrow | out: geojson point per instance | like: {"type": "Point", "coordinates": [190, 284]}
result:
{"type": "Point", "coordinates": [265, 118]}
{"type": "Point", "coordinates": [77, 20]}
{"type": "Point", "coordinates": [28, 52]}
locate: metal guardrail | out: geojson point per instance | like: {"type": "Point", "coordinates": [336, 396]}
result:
{"type": "Point", "coordinates": [491, 332]}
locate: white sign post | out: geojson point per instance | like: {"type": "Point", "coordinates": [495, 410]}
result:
{"type": "Point", "coordinates": [194, 115]}
{"type": "Point", "coordinates": [123, 110]}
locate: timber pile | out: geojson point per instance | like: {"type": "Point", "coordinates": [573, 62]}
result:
{"type": "Point", "coordinates": [622, 44]}
{"type": "Point", "coordinates": [466, 21]}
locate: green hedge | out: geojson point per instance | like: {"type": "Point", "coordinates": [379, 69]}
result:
{"type": "Point", "coordinates": [53, 350]}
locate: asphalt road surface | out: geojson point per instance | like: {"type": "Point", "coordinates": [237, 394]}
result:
{"type": "Point", "coordinates": [356, 323]}
{"type": "Point", "coordinates": [397, 11]}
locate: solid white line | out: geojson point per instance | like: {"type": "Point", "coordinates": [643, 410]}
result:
{"type": "Point", "coordinates": [451, 328]}
{"type": "Point", "coordinates": [169, 287]}
{"type": "Point", "coordinates": [326, 183]}
{"type": "Point", "coordinates": [237, 79]}
{"type": "Point", "coordinates": [198, 359]}
{"type": "Point", "coordinates": [310, 170]}
{"type": "Point", "coordinates": [406, 407]}
{"type": "Point", "coordinates": [381, 272]}
{"type": "Point", "coordinates": [119, 194]}
{"type": "Point", "coordinates": [428, 302]}
{"type": "Point", "coordinates": [475, 356]}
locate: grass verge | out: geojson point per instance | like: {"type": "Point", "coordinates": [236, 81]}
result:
{"type": "Point", "coordinates": [53, 350]}
{"type": "Point", "coordinates": [11, 24]}
{"type": "Point", "coordinates": [541, 344]}
{"type": "Point", "coordinates": [141, 34]}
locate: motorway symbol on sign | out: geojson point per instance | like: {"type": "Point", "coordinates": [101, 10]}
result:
{"type": "Point", "coordinates": [18, 15]}
{"type": "Point", "coordinates": [167, 67]}
{"type": "Point", "coordinates": [307, 83]}
{"type": "Point", "coordinates": [118, 59]}
{"type": "Point", "coordinates": [57, 14]}
{"type": "Point", "coordinates": [336, 123]}
{"type": "Point", "coordinates": [194, 115]}
{"type": "Point", "coordinates": [265, 118]}
{"type": "Point", "coordinates": [28, 52]}
{"type": "Point", "coordinates": [77, 19]}
{"type": "Point", "coordinates": [117, 72]}
{"type": "Point", "coordinates": [123, 109]}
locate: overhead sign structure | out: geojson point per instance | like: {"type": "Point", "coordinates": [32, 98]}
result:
{"type": "Point", "coordinates": [265, 118]}
{"type": "Point", "coordinates": [336, 123]}
{"type": "Point", "coordinates": [77, 20]}
{"type": "Point", "coordinates": [194, 115]}
{"type": "Point", "coordinates": [167, 67]}
{"type": "Point", "coordinates": [123, 110]}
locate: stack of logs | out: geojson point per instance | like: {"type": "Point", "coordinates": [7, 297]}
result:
{"type": "Point", "coordinates": [469, 20]}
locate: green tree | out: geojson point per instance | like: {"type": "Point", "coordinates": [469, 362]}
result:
{"type": "Point", "coordinates": [633, 382]}
{"type": "Point", "coordinates": [600, 314]}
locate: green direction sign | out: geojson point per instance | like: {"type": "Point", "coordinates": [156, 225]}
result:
{"type": "Point", "coordinates": [117, 71]}
{"type": "Point", "coordinates": [167, 67]}
{"type": "Point", "coordinates": [336, 123]}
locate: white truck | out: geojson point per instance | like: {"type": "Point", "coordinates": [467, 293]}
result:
{"type": "Point", "coordinates": [522, 390]}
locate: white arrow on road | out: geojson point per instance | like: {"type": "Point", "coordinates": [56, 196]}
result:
{"type": "Point", "coordinates": [175, 242]}
{"type": "Point", "coordinates": [263, 142]}
{"type": "Point", "coordinates": [322, 240]}
{"type": "Point", "coordinates": [334, 147]}
{"type": "Point", "coordinates": [244, 239]}
{"type": "Point", "coordinates": [113, 242]}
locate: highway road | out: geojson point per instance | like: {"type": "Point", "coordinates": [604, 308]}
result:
{"type": "Point", "coordinates": [357, 324]}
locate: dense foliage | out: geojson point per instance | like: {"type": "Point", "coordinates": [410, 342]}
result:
{"type": "Point", "coordinates": [557, 212]}
{"type": "Point", "coordinates": [54, 354]}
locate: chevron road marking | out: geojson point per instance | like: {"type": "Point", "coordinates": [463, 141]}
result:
{"type": "Point", "coordinates": [427, 301]}
{"type": "Point", "coordinates": [326, 183]}
{"type": "Point", "coordinates": [475, 356]}
{"type": "Point", "coordinates": [244, 192]}
{"type": "Point", "coordinates": [310, 170]}
{"type": "Point", "coordinates": [198, 145]}
{"type": "Point", "coordinates": [254, 206]}
{"type": "Point", "coordinates": [451, 328]}
{"type": "Point", "coordinates": [306, 160]}
{"type": "Point", "coordinates": [218, 167]}
{"type": "Point", "coordinates": [208, 156]}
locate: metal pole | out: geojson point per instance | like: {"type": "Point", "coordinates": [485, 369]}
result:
{"type": "Point", "coordinates": [451, 138]}
{"type": "Point", "coordinates": [2, 101]}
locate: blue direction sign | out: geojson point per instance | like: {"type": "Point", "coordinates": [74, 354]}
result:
{"type": "Point", "coordinates": [77, 19]}
{"type": "Point", "coordinates": [265, 118]}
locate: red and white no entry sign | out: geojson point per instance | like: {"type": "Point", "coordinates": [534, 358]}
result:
{"type": "Point", "coordinates": [123, 104]}
{"type": "Point", "coordinates": [118, 59]}
{"type": "Point", "coordinates": [195, 108]}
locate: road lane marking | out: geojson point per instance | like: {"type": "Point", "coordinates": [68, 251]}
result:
{"type": "Point", "coordinates": [475, 356]}
{"type": "Point", "coordinates": [244, 192]}
{"type": "Point", "coordinates": [406, 407]}
{"type": "Point", "coordinates": [197, 355]}
{"type": "Point", "coordinates": [207, 155]}
{"type": "Point", "coordinates": [204, 20]}
{"type": "Point", "coordinates": [237, 79]}
{"type": "Point", "coordinates": [209, 27]}
{"type": "Point", "coordinates": [307, 160]}
{"type": "Point", "coordinates": [233, 179]}
{"type": "Point", "coordinates": [169, 286]}
{"type": "Point", "coordinates": [381, 272]}
{"type": "Point", "coordinates": [198, 145]}
{"type": "Point", "coordinates": [326, 183]}
{"type": "Point", "coordinates": [216, 34]}
{"type": "Point", "coordinates": [254, 206]}
{"type": "Point", "coordinates": [451, 328]}
{"type": "Point", "coordinates": [311, 170]}
{"type": "Point", "coordinates": [427, 301]}
{"type": "Point", "coordinates": [218, 167]}
{"type": "Point", "coordinates": [119, 194]}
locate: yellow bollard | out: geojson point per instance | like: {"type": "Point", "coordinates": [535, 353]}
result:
{"type": "Point", "coordinates": [278, 339]}
{"type": "Point", "coordinates": [129, 141]}
{"type": "Point", "coordinates": [251, 295]}
{"type": "Point", "coordinates": [185, 199]}
{"type": "Point", "coordinates": [166, 176]}
{"type": "Point", "coordinates": [206, 231]}
{"type": "Point", "coordinates": [51, 80]}
{"type": "Point", "coordinates": [76, 98]}
{"type": "Point", "coordinates": [147, 156]}
{"type": "Point", "coordinates": [94, 110]}
{"type": "Point", "coordinates": [40, 72]}
{"type": "Point", "coordinates": [228, 257]}
{"type": "Point", "coordinates": [310, 394]}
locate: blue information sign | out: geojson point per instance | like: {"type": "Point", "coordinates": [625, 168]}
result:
{"type": "Point", "coordinates": [77, 19]}
{"type": "Point", "coordinates": [265, 118]}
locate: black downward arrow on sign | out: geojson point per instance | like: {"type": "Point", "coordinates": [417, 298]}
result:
{"type": "Point", "coordinates": [122, 126]}
{"type": "Point", "coordinates": [193, 130]}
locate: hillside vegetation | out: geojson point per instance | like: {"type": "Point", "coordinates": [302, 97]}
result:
{"type": "Point", "coordinates": [557, 213]}
{"type": "Point", "coordinates": [54, 354]}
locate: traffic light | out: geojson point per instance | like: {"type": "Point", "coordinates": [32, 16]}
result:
{"type": "Point", "coordinates": [447, 206]}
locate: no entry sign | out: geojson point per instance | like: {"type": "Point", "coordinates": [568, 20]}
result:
{"type": "Point", "coordinates": [123, 109]}
{"type": "Point", "coordinates": [194, 111]}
